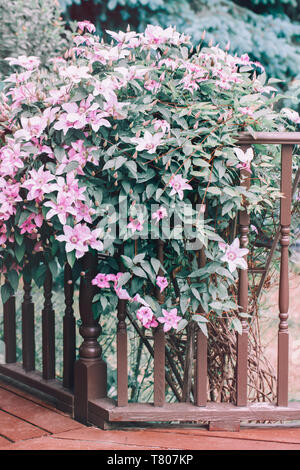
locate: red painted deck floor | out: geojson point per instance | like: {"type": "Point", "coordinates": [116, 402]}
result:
{"type": "Point", "coordinates": [29, 423]}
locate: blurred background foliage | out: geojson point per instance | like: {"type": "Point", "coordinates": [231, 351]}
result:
{"type": "Point", "coordinates": [31, 27]}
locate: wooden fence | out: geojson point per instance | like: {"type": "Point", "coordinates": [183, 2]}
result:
{"type": "Point", "coordinates": [83, 391]}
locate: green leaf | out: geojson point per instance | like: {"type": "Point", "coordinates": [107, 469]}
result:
{"type": "Point", "coordinates": [237, 325]}
{"type": "Point", "coordinates": [19, 251]}
{"type": "Point", "coordinates": [199, 318]}
{"type": "Point", "coordinates": [6, 292]}
{"type": "Point", "coordinates": [139, 272]}
{"type": "Point", "coordinates": [182, 324]}
{"type": "Point", "coordinates": [128, 263]}
{"type": "Point", "coordinates": [71, 258]}
{"type": "Point", "coordinates": [123, 279]}
{"type": "Point", "coordinates": [13, 278]}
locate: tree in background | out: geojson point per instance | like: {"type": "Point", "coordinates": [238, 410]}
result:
{"type": "Point", "coordinates": [32, 27]}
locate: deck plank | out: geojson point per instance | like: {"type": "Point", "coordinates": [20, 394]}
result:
{"type": "Point", "coordinates": [28, 423]}
{"type": "Point", "coordinates": [34, 413]}
{"type": "Point", "coordinates": [16, 429]}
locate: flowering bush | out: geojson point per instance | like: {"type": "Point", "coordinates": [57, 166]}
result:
{"type": "Point", "coordinates": [124, 144]}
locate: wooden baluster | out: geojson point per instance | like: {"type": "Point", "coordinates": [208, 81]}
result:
{"type": "Point", "coordinates": [285, 221]}
{"type": "Point", "coordinates": [9, 325]}
{"type": "Point", "coordinates": [69, 330]}
{"type": "Point", "coordinates": [242, 339]}
{"type": "Point", "coordinates": [201, 353]}
{"type": "Point", "coordinates": [159, 345]}
{"type": "Point", "coordinates": [48, 330]}
{"type": "Point", "coordinates": [28, 343]}
{"type": "Point", "coordinates": [90, 369]}
{"type": "Point", "coordinates": [122, 361]}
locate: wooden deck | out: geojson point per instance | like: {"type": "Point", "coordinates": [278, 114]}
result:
{"type": "Point", "coordinates": [30, 423]}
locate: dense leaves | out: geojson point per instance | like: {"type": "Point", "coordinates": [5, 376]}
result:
{"type": "Point", "coordinates": [119, 145]}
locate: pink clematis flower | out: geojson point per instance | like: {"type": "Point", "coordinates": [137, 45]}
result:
{"type": "Point", "coordinates": [82, 25]}
{"type": "Point", "coordinates": [62, 208]}
{"type": "Point", "coordinates": [152, 85]}
{"type": "Point", "coordinates": [135, 225]}
{"type": "Point", "coordinates": [170, 319]}
{"type": "Point", "coordinates": [101, 281]}
{"type": "Point", "coordinates": [27, 62]}
{"type": "Point", "coordinates": [161, 213]}
{"type": "Point", "coordinates": [178, 185]}
{"type": "Point", "coordinates": [146, 316]}
{"type": "Point", "coordinates": [38, 184]}
{"type": "Point", "coordinates": [75, 74]}
{"type": "Point", "coordinates": [162, 283]}
{"type": "Point", "coordinates": [122, 293]}
{"type": "Point", "coordinates": [75, 239]}
{"type": "Point", "coordinates": [234, 255]}
{"type": "Point", "coordinates": [245, 158]}
{"type": "Point", "coordinates": [291, 115]}
{"type": "Point", "coordinates": [149, 142]}
{"type": "Point", "coordinates": [161, 124]}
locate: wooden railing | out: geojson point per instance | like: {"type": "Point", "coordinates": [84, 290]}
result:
{"type": "Point", "coordinates": [83, 390]}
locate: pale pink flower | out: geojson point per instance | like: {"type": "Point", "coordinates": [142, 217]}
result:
{"type": "Point", "coordinates": [62, 208]}
{"type": "Point", "coordinates": [74, 73]}
{"type": "Point", "coordinates": [31, 127]}
{"type": "Point", "coordinates": [170, 319]}
{"type": "Point", "coordinates": [152, 85]}
{"type": "Point", "coordinates": [234, 255]}
{"type": "Point", "coordinates": [94, 241]}
{"type": "Point", "coordinates": [162, 283]}
{"type": "Point", "coordinates": [161, 124]}
{"type": "Point", "coordinates": [82, 25]}
{"type": "Point", "coordinates": [146, 316]}
{"type": "Point", "coordinates": [245, 158]}
{"type": "Point", "coordinates": [69, 186]}
{"type": "Point", "coordinates": [122, 293]}
{"type": "Point", "coordinates": [246, 110]}
{"type": "Point", "coordinates": [253, 228]}
{"type": "Point", "coordinates": [291, 115]}
{"type": "Point", "coordinates": [139, 299]}
{"type": "Point", "coordinates": [27, 62]}
{"type": "Point", "coordinates": [101, 281]}
{"type": "Point", "coordinates": [122, 37]}
{"type": "Point", "coordinates": [149, 142]}
{"type": "Point", "coordinates": [178, 185]}
{"type": "Point", "coordinates": [75, 239]}
{"type": "Point", "coordinates": [135, 225]}
{"type": "Point", "coordinates": [38, 183]}
{"type": "Point", "coordinates": [161, 213]}
{"type": "Point", "coordinates": [30, 224]}
{"type": "Point", "coordinates": [57, 96]}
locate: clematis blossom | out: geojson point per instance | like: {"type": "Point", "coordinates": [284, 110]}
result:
{"type": "Point", "coordinates": [170, 319]}
{"type": "Point", "coordinates": [245, 158]}
{"type": "Point", "coordinates": [178, 185]}
{"type": "Point", "coordinates": [234, 255]}
{"type": "Point", "coordinates": [149, 142]}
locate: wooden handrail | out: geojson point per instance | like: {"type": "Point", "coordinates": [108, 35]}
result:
{"type": "Point", "coordinates": [283, 138]}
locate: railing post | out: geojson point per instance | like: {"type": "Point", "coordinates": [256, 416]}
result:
{"type": "Point", "coordinates": [28, 343]}
{"type": "Point", "coordinates": [48, 330]}
{"type": "Point", "coordinates": [201, 353]}
{"type": "Point", "coordinates": [90, 378]}
{"type": "Point", "coordinates": [159, 344]}
{"type": "Point", "coordinates": [69, 333]}
{"type": "Point", "coordinates": [285, 221]}
{"type": "Point", "coordinates": [9, 325]}
{"type": "Point", "coordinates": [122, 359]}
{"type": "Point", "coordinates": [242, 339]}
